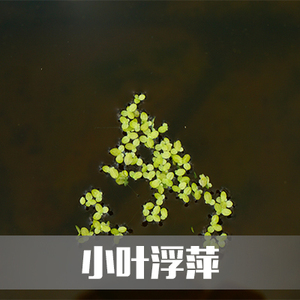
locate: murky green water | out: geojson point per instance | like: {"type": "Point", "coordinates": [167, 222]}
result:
{"type": "Point", "coordinates": [224, 76]}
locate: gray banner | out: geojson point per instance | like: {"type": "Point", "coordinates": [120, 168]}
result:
{"type": "Point", "coordinates": [149, 262]}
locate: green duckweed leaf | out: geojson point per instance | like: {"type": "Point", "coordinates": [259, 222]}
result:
{"type": "Point", "coordinates": [84, 231]}
{"type": "Point", "coordinates": [149, 218]}
{"type": "Point", "coordinates": [82, 201]}
{"type": "Point", "coordinates": [156, 218]}
{"type": "Point", "coordinates": [187, 190]}
{"type": "Point", "coordinates": [114, 173]}
{"type": "Point", "coordinates": [177, 146]}
{"type": "Point", "coordinates": [142, 97]}
{"type": "Point", "coordinates": [155, 183]}
{"type": "Point", "coordinates": [177, 159]}
{"type": "Point", "coordinates": [115, 151]}
{"type": "Point", "coordinates": [187, 166]}
{"type": "Point", "coordinates": [186, 158]}
{"type": "Point", "coordinates": [168, 170]}
{"type": "Point", "coordinates": [146, 212]}
{"type": "Point", "coordinates": [114, 231]}
{"type": "Point", "coordinates": [97, 216]}
{"type": "Point", "coordinates": [197, 194]}
{"type": "Point", "coordinates": [122, 229]}
{"type": "Point", "coordinates": [163, 128]}
{"type": "Point", "coordinates": [163, 213]}
{"type": "Point", "coordinates": [88, 197]}
{"type": "Point", "coordinates": [226, 212]}
{"type": "Point", "coordinates": [132, 107]}
{"type": "Point", "coordinates": [156, 210]}
{"type": "Point", "coordinates": [96, 194]}
{"type": "Point", "coordinates": [207, 197]}
{"type": "Point", "coordinates": [149, 205]}
{"type": "Point", "coordinates": [180, 172]}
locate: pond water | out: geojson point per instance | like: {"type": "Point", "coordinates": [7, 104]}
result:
{"type": "Point", "coordinates": [224, 76]}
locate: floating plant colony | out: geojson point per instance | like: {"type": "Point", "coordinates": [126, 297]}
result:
{"type": "Point", "coordinates": [169, 170]}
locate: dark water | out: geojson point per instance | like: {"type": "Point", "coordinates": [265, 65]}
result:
{"type": "Point", "coordinates": [224, 76]}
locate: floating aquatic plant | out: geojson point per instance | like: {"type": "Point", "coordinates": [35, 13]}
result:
{"type": "Point", "coordinates": [169, 170]}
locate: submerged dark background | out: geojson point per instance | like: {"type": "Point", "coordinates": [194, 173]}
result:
{"type": "Point", "coordinates": [224, 76]}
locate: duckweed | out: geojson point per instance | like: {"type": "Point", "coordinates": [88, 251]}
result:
{"type": "Point", "coordinates": [169, 170]}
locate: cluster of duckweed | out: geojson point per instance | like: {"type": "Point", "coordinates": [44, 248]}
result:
{"type": "Point", "coordinates": [169, 170]}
